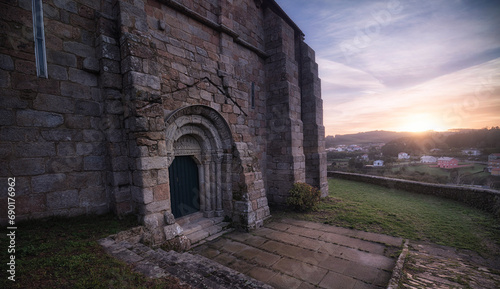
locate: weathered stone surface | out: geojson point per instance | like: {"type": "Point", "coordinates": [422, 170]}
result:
{"type": "Point", "coordinates": [146, 80]}
{"type": "Point", "coordinates": [169, 218]}
{"type": "Point", "coordinates": [4, 79]}
{"type": "Point", "coordinates": [172, 231]}
{"type": "Point", "coordinates": [94, 163]}
{"type": "Point", "coordinates": [58, 72]}
{"type": "Point", "coordinates": [152, 221]}
{"type": "Point", "coordinates": [62, 200]}
{"type": "Point", "coordinates": [61, 58]}
{"type": "Point", "coordinates": [53, 103]}
{"type": "Point", "coordinates": [82, 77]}
{"type": "Point", "coordinates": [39, 118]}
{"type": "Point", "coordinates": [6, 62]}
{"type": "Point", "coordinates": [179, 243]}
{"type": "Point", "coordinates": [39, 149]}
{"type": "Point", "coordinates": [149, 163]}
{"type": "Point", "coordinates": [91, 64]}
{"type": "Point", "coordinates": [27, 166]}
{"type": "Point", "coordinates": [48, 183]}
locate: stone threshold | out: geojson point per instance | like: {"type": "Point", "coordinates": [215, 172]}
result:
{"type": "Point", "coordinates": [199, 229]}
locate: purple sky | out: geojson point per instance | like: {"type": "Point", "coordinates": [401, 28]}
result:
{"type": "Point", "coordinates": [404, 65]}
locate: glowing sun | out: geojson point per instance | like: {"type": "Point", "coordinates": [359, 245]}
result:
{"type": "Point", "coordinates": [421, 123]}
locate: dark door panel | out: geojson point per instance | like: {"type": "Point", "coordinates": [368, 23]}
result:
{"type": "Point", "coordinates": [184, 186]}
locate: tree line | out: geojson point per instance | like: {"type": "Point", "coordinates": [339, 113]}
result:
{"type": "Point", "coordinates": [487, 140]}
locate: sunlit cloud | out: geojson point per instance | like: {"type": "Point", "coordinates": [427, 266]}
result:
{"type": "Point", "coordinates": [344, 83]}
{"type": "Point", "coordinates": [466, 98]}
{"type": "Point", "coordinates": [386, 64]}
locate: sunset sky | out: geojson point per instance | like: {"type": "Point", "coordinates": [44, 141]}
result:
{"type": "Point", "coordinates": [404, 65]}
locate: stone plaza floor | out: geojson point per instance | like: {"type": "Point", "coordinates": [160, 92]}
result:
{"type": "Point", "coordinates": [291, 253]}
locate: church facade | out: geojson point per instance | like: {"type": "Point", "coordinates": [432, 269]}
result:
{"type": "Point", "coordinates": [157, 106]}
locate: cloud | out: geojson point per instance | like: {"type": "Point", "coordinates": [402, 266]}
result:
{"type": "Point", "coordinates": [342, 81]}
{"type": "Point", "coordinates": [466, 98]}
{"type": "Point", "coordinates": [383, 61]}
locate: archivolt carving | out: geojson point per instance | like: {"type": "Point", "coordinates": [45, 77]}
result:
{"type": "Point", "coordinates": [187, 145]}
{"type": "Point", "coordinates": [202, 132]}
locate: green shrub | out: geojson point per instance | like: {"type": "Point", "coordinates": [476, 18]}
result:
{"type": "Point", "coordinates": [303, 197]}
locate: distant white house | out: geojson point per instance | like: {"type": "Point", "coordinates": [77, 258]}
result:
{"type": "Point", "coordinates": [428, 159]}
{"type": "Point", "coordinates": [365, 157]}
{"type": "Point", "coordinates": [378, 163]}
{"type": "Point", "coordinates": [353, 148]}
{"type": "Point", "coordinates": [403, 156]}
{"type": "Point", "coordinates": [471, 152]}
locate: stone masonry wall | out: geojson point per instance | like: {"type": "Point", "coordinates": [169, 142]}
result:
{"type": "Point", "coordinates": [92, 137]}
{"type": "Point", "coordinates": [172, 59]}
{"type": "Point", "coordinates": [52, 135]}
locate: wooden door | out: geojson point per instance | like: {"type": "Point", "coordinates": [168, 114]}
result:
{"type": "Point", "coordinates": [184, 186]}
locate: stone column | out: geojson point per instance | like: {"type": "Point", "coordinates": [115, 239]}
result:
{"type": "Point", "coordinates": [203, 192]}
{"type": "Point", "coordinates": [208, 192]}
{"type": "Point", "coordinates": [219, 212]}
{"type": "Point", "coordinates": [213, 187]}
{"type": "Point", "coordinates": [227, 192]}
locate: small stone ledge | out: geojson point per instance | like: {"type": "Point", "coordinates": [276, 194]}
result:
{"type": "Point", "coordinates": [397, 273]}
{"type": "Point", "coordinates": [193, 270]}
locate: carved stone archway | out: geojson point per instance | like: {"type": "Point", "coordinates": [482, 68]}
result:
{"type": "Point", "coordinates": [201, 132]}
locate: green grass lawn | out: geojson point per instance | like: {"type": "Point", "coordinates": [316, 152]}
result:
{"type": "Point", "coordinates": [64, 253]}
{"type": "Point", "coordinates": [398, 213]}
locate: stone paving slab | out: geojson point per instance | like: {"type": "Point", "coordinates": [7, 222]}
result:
{"type": "Point", "coordinates": [373, 237]}
{"type": "Point", "coordinates": [298, 254]}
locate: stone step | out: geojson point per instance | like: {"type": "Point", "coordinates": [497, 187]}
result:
{"type": "Point", "coordinates": [196, 228]}
{"type": "Point", "coordinates": [194, 270]}
{"type": "Point", "coordinates": [215, 236]}
{"type": "Point", "coordinates": [200, 224]}
{"type": "Point", "coordinates": [199, 237]}
{"type": "Point", "coordinates": [183, 221]}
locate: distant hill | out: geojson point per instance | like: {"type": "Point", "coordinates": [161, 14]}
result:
{"type": "Point", "coordinates": [377, 136]}
{"type": "Point", "coordinates": [486, 139]}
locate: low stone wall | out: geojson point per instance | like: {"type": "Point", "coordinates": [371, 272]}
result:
{"type": "Point", "coordinates": [484, 199]}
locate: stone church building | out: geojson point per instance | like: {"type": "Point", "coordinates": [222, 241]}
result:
{"type": "Point", "coordinates": [156, 107]}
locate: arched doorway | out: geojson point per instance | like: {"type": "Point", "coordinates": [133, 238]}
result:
{"type": "Point", "coordinates": [198, 137]}
{"type": "Point", "coordinates": [184, 186]}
